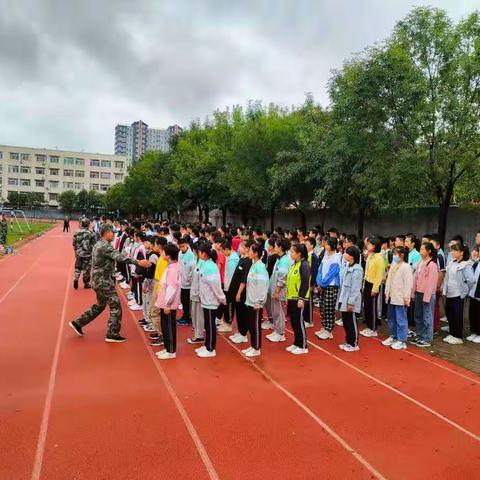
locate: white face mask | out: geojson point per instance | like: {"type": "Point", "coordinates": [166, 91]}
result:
{"type": "Point", "coordinates": [396, 259]}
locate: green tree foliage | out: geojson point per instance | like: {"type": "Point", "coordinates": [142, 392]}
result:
{"type": "Point", "coordinates": [68, 201]}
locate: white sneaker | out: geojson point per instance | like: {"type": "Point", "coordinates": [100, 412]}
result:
{"type": "Point", "coordinates": [218, 321]}
{"type": "Point", "coordinates": [455, 341]}
{"type": "Point", "coordinates": [339, 322]}
{"type": "Point", "coordinates": [398, 345]}
{"type": "Point", "coordinates": [253, 353]}
{"type": "Point", "coordinates": [224, 327]}
{"type": "Point", "coordinates": [299, 351]}
{"type": "Point", "coordinates": [124, 285]}
{"type": "Point", "coordinates": [367, 332]}
{"type": "Point", "coordinates": [267, 325]}
{"type": "Point", "coordinates": [131, 301]}
{"type": "Point", "coordinates": [389, 342]}
{"type": "Point", "coordinates": [167, 356]}
{"type": "Point", "coordinates": [471, 337]}
{"type": "Point", "coordinates": [207, 354]}
{"type": "Point", "coordinates": [476, 339]}
{"type": "Point", "coordinates": [276, 337]}
{"type": "Point", "coordinates": [324, 334]}
{"type": "Point", "coordinates": [245, 350]}
{"type": "Point", "coordinates": [447, 338]}
{"type": "Point", "coordinates": [130, 296]}
{"type": "Point", "coordinates": [238, 338]}
{"type": "Point", "coordinates": [446, 328]}
{"type": "Point", "coordinates": [135, 307]}
{"type": "Point", "coordinates": [161, 352]}
{"type": "Point", "coordinates": [346, 347]}
{"type": "Point", "coordinates": [200, 349]}
{"type": "Point", "coordinates": [290, 348]}
{"type": "Point", "coordinates": [149, 328]}
{"type": "Point", "coordinates": [308, 324]}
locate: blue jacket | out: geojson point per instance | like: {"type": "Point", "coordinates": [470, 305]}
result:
{"type": "Point", "coordinates": [351, 291]}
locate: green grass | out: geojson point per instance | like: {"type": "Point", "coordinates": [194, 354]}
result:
{"type": "Point", "coordinates": [16, 235]}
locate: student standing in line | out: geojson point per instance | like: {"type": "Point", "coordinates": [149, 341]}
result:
{"type": "Point", "coordinates": [211, 296]}
{"type": "Point", "coordinates": [187, 262]}
{"type": "Point", "coordinates": [313, 263]}
{"type": "Point", "coordinates": [424, 287]}
{"type": "Point", "coordinates": [328, 281]}
{"type": "Point", "coordinates": [168, 301]}
{"type": "Point", "coordinates": [474, 297]}
{"type": "Point", "coordinates": [257, 289]}
{"type": "Point", "coordinates": [439, 300]}
{"type": "Point", "coordinates": [148, 282]}
{"type": "Point", "coordinates": [298, 280]}
{"type": "Point", "coordinates": [277, 289]}
{"type": "Point", "coordinates": [459, 279]}
{"type": "Point", "coordinates": [272, 258]}
{"type": "Point", "coordinates": [198, 322]}
{"type": "Point", "coordinates": [374, 270]}
{"type": "Point", "coordinates": [350, 298]}
{"type": "Point", "coordinates": [138, 253]}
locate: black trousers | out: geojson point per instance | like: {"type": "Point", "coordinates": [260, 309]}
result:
{"type": "Point", "coordinates": [351, 328]}
{"type": "Point", "coordinates": [169, 330]}
{"type": "Point", "coordinates": [454, 311]}
{"type": "Point", "coordinates": [308, 309]}
{"type": "Point", "coordinates": [137, 283]}
{"type": "Point", "coordinates": [185, 299]}
{"type": "Point", "coordinates": [210, 329]}
{"type": "Point", "coordinates": [474, 315]}
{"type": "Point", "coordinates": [254, 318]}
{"type": "Point", "coordinates": [298, 325]}
{"type": "Point", "coordinates": [369, 306]}
{"type": "Point", "coordinates": [241, 316]}
{"type": "Point", "coordinates": [227, 311]}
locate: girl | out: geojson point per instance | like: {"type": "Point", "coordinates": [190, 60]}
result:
{"type": "Point", "coordinates": [474, 299]}
{"type": "Point", "coordinates": [423, 292]}
{"type": "Point", "coordinates": [398, 290]}
{"type": "Point", "coordinates": [459, 279]}
{"type": "Point", "coordinates": [312, 259]}
{"type": "Point", "coordinates": [350, 298]}
{"type": "Point", "coordinates": [257, 289]}
{"type": "Point", "coordinates": [168, 301]}
{"type": "Point", "coordinates": [374, 269]}
{"type": "Point", "coordinates": [198, 323]}
{"type": "Point", "coordinates": [298, 281]}
{"type": "Point", "coordinates": [328, 281]}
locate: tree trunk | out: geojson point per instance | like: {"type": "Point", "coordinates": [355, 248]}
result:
{"type": "Point", "coordinates": [272, 218]}
{"type": "Point", "coordinates": [443, 215]}
{"type": "Point", "coordinates": [360, 223]}
{"type": "Point", "coordinates": [303, 219]}
{"type": "Point", "coordinates": [200, 214]}
{"type": "Point", "coordinates": [206, 211]}
{"type": "Point", "coordinates": [224, 216]}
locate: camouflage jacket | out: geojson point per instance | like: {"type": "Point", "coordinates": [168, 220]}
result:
{"type": "Point", "coordinates": [83, 243]}
{"type": "Point", "coordinates": [103, 264]}
{"type": "Point", "coordinates": [3, 229]}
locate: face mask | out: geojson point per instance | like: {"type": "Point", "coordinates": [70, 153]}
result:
{"type": "Point", "coordinates": [396, 259]}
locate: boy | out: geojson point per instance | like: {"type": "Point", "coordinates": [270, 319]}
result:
{"type": "Point", "coordinates": [187, 262]}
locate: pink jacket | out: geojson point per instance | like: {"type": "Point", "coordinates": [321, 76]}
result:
{"type": "Point", "coordinates": [425, 280]}
{"type": "Point", "coordinates": [169, 290]}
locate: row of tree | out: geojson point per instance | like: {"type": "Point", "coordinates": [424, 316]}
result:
{"type": "Point", "coordinates": [402, 130]}
{"type": "Point", "coordinates": [85, 201]}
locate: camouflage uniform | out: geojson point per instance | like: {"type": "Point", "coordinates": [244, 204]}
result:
{"type": "Point", "coordinates": [103, 271]}
{"type": "Point", "coordinates": [3, 232]}
{"type": "Point", "coordinates": [83, 243]}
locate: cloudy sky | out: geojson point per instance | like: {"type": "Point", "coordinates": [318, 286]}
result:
{"type": "Point", "coordinates": [71, 70]}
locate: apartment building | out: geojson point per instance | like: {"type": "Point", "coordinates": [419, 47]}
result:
{"type": "Point", "coordinates": [52, 172]}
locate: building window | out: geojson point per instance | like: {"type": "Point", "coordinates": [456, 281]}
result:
{"type": "Point", "coordinates": [79, 173]}
{"type": "Point", "coordinates": [68, 161]}
{"type": "Point", "coordinates": [41, 158]}
{"type": "Point", "coordinates": [40, 171]}
{"type": "Point", "coordinates": [94, 186]}
{"type": "Point", "coordinates": [53, 183]}
{"type": "Point", "coordinates": [104, 188]}
{"type": "Point", "coordinates": [13, 181]}
{"type": "Point", "coordinates": [79, 161]}
{"type": "Point", "coordinates": [39, 183]}
{"type": "Point", "coordinates": [79, 186]}
{"type": "Point", "coordinates": [54, 171]}
{"type": "Point", "coordinates": [25, 156]}
{"type": "Point", "coordinates": [13, 169]}
{"type": "Point", "coordinates": [24, 169]}
{"type": "Point", "coordinates": [106, 164]}
{"type": "Point", "coordinates": [119, 165]}
{"type": "Point", "coordinates": [53, 197]}
{"type": "Point", "coordinates": [13, 156]}
{"type": "Point", "coordinates": [94, 175]}
{"type": "Point", "coordinates": [105, 175]}
{"type": "Point", "coordinates": [94, 163]}
{"type": "Point", "coordinates": [119, 176]}
{"type": "Point", "coordinates": [68, 173]}
{"type": "Point", "coordinates": [1, 155]}
{"type": "Point", "coordinates": [54, 159]}
{"type": "Point", "coordinates": [68, 185]}
{"type": "Point", "coordinates": [25, 182]}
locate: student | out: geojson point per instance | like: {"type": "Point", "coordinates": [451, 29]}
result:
{"type": "Point", "coordinates": [414, 257]}
{"type": "Point", "coordinates": [187, 262]}
{"type": "Point", "coordinates": [439, 313]}
{"type": "Point", "coordinates": [148, 282]}
{"type": "Point", "coordinates": [374, 270]}
{"type": "Point", "coordinates": [169, 301]}
{"type": "Point", "coordinates": [237, 294]}
{"type": "Point", "coordinates": [277, 290]}
{"type": "Point", "coordinates": [350, 298]}
{"type": "Point", "coordinates": [257, 289]}
{"type": "Point", "coordinates": [312, 259]}
{"type": "Point", "coordinates": [298, 280]}
{"type": "Point", "coordinates": [328, 281]}
{"type": "Point", "coordinates": [474, 298]}
{"type": "Point", "coordinates": [211, 296]}
{"type": "Point", "coordinates": [424, 288]}
{"type": "Point", "coordinates": [459, 279]}
{"type": "Point", "coordinates": [138, 253]}
{"type": "Point", "coordinates": [398, 290]}
{"type": "Point", "coordinates": [198, 322]}
{"type": "Point", "coordinates": [272, 258]}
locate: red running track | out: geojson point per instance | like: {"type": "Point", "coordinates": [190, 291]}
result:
{"type": "Point", "coordinates": [77, 408]}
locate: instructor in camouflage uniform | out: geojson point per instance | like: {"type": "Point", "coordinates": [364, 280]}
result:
{"type": "Point", "coordinates": [103, 271]}
{"type": "Point", "coordinates": [83, 243]}
{"type": "Point", "coordinates": [3, 230]}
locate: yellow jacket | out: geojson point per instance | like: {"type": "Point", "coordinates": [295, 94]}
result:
{"type": "Point", "coordinates": [374, 271]}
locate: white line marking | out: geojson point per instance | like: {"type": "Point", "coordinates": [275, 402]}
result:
{"type": "Point", "coordinates": [398, 392]}
{"type": "Point", "coordinates": [212, 473]}
{"type": "Point", "coordinates": [12, 288]}
{"type": "Point", "coordinates": [42, 436]}
{"type": "Point", "coordinates": [311, 414]}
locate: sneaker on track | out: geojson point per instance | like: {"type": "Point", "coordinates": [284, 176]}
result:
{"type": "Point", "coordinates": [339, 322]}
{"type": "Point", "coordinates": [115, 338]}
{"type": "Point", "coordinates": [422, 343]}
{"type": "Point", "coordinates": [276, 337]}
{"type": "Point", "coordinates": [471, 337]}
{"type": "Point", "coordinates": [135, 307]}
{"type": "Point", "coordinates": [398, 345]}
{"type": "Point", "coordinates": [446, 328]}
{"type": "Point", "coordinates": [224, 327]}
{"type": "Point", "coordinates": [388, 342]}
{"type": "Point", "coordinates": [238, 338]}
{"type": "Point", "coordinates": [476, 339]}
{"type": "Point", "coordinates": [167, 356]}
{"type": "Point", "coordinates": [346, 347]}
{"type": "Point", "coordinates": [245, 350]}
{"type": "Point", "coordinates": [299, 351]}
{"type": "Point", "coordinates": [76, 328]}
{"type": "Point", "coordinates": [267, 325]}
{"type": "Point", "coordinates": [324, 334]}
{"type": "Point", "coordinates": [454, 340]}
{"type": "Point", "coordinates": [157, 342]}
{"type": "Point", "coordinates": [193, 340]}
{"type": "Point", "coordinates": [290, 348]}
{"type": "Point", "coordinates": [368, 332]}
{"type": "Point", "coordinates": [198, 350]}
{"type": "Point", "coordinates": [253, 353]}
{"type": "Point", "coordinates": [207, 354]}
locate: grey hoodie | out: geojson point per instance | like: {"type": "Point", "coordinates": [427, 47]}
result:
{"type": "Point", "coordinates": [351, 289]}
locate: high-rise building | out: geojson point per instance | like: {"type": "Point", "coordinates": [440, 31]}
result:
{"type": "Point", "coordinates": [157, 139]}
{"type": "Point", "coordinates": [139, 140]}
{"type": "Point", "coordinates": [123, 140]}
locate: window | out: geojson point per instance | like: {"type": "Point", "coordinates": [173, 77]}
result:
{"type": "Point", "coordinates": [94, 186]}
{"type": "Point", "coordinates": [94, 175]}
{"type": "Point", "coordinates": [106, 163]}
{"type": "Point", "coordinates": [41, 158]}
{"type": "Point", "coordinates": [68, 185]}
{"type": "Point", "coordinates": [79, 186]}
{"type": "Point", "coordinates": [1, 169]}
{"type": "Point", "coordinates": [39, 183]}
{"type": "Point", "coordinates": [119, 176]}
{"type": "Point", "coordinates": [25, 182]}
{"type": "Point", "coordinates": [119, 165]}
{"type": "Point", "coordinates": [54, 171]}
{"type": "Point", "coordinates": [68, 173]}
{"type": "Point", "coordinates": [54, 159]}
{"type": "Point", "coordinates": [13, 169]}
{"type": "Point", "coordinates": [24, 169]}
{"type": "Point", "coordinates": [24, 156]}
{"type": "Point", "coordinates": [68, 161]}
{"type": "Point", "coordinates": [79, 173]}
{"type": "Point", "coordinates": [40, 171]}
{"type": "Point", "coordinates": [53, 183]}
{"type": "Point", "coordinates": [53, 196]}
{"type": "Point", "coordinates": [105, 175]}
{"type": "Point", "coordinates": [104, 188]}
{"type": "Point", "coordinates": [94, 163]}
{"type": "Point", "coordinates": [13, 181]}
{"type": "Point", "coordinates": [79, 161]}
{"type": "Point", "coordinates": [13, 156]}
{"type": "Point", "coordinates": [1, 155]}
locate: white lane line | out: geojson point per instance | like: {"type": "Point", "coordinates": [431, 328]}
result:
{"type": "Point", "coordinates": [312, 415]}
{"type": "Point", "coordinates": [42, 436]}
{"type": "Point", "coordinates": [14, 286]}
{"type": "Point", "coordinates": [398, 392]}
{"type": "Point", "coordinates": [212, 473]}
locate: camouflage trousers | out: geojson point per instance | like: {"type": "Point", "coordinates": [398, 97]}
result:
{"type": "Point", "coordinates": [83, 264]}
{"type": "Point", "coordinates": [104, 297]}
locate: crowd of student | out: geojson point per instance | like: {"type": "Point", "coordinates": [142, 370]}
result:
{"type": "Point", "coordinates": [220, 276]}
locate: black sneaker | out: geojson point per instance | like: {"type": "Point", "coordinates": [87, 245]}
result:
{"type": "Point", "coordinates": [193, 340]}
{"type": "Point", "coordinates": [422, 343]}
{"type": "Point", "coordinates": [87, 286]}
{"type": "Point", "coordinates": [157, 342]}
{"type": "Point", "coordinates": [76, 328]}
{"type": "Point", "coordinates": [114, 338]}
{"type": "Point", "coordinates": [153, 336]}
{"type": "Point", "coordinates": [75, 284]}
{"type": "Point", "coordinates": [143, 322]}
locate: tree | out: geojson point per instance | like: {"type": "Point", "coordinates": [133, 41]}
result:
{"type": "Point", "coordinates": [68, 201]}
